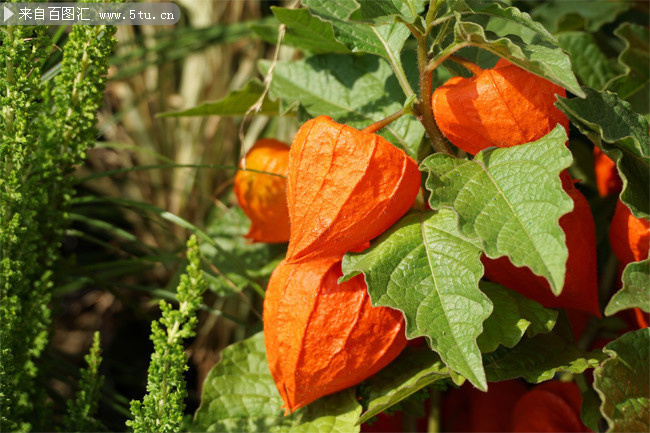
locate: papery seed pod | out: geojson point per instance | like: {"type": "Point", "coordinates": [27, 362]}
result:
{"type": "Point", "coordinates": [321, 336]}
{"type": "Point", "coordinates": [607, 178]}
{"type": "Point", "coordinates": [503, 106]}
{"type": "Point", "coordinates": [580, 290]}
{"type": "Point", "coordinates": [629, 236]}
{"type": "Point", "coordinates": [263, 197]}
{"type": "Point", "coordinates": [549, 407]}
{"type": "Point", "coordinates": [344, 188]}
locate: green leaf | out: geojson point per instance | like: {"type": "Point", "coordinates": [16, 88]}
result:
{"type": "Point", "coordinates": [539, 358]}
{"type": "Point", "coordinates": [622, 134]}
{"type": "Point", "coordinates": [635, 61]}
{"type": "Point", "coordinates": [385, 41]}
{"type": "Point", "coordinates": [308, 32]}
{"type": "Point", "coordinates": [388, 11]}
{"type": "Point", "coordinates": [227, 228]}
{"type": "Point", "coordinates": [414, 369]}
{"type": "Point", "coordinates": [636, 289]}
{"type": "Point", "coordinates": [623, 382]}
{"type": "Point", "coordinates": [368, 11]}
{"type": "Point", "coordinates": [511, 199]}
{"type": "Point", "coordinates": [236, 103]}
{"type": "Point", "coordinates": [426, 269]}
{"type": "Point", "coordinates": [351, 89]}
{"type": "Point", "coordinates": [590, 412]}
{"type": "Point", "coordinates": [540, 57]}
{"type": "Point", "coordinates": [513, 315]}
{"type": "Point", "coordinates": [590, 64]}
{"type": "Point", "coordinates": [239, 395]}
{"type": "Point", "coordinates": [512, 15]}
{"type": "Point", "coordinates": [332, 10]}
{"type": "Point", "coordinates": [557, 15]}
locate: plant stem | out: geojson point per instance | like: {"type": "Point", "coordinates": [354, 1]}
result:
{"type": "Point", "coordinates": [383, 122]}
{"type": "Point", "coordinates": [425, 114]}
{"type": "Point", "coordinates": [433, 421]}
{"type": "Point", "coordinates": [443, 55]}
{"type": "Point", "coordinates": [470, 66]}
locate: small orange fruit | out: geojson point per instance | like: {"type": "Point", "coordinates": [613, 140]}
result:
{"type": "Point", "coordinates": [263, 197]}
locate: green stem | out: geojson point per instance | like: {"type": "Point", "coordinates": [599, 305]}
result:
{"type": "Point", "coordinates": [425, 111]}
{"type": "Point", "coordinates": [444, 54]}
{"type": "Point", "coordinates": [434, 7]}
{"type": "Point", "coordinates": [433, 421]}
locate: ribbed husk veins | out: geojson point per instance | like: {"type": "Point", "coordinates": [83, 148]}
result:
{"type": "Point", "coordinates": [321, 336]}
{"type": "Point", "coordinates": [263, 197]}
{"type": "Point", "coordinates": [503, 106]}
{"type": "Point", "coordinates": [344, 188]}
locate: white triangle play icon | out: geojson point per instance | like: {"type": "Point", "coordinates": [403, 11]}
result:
{"type": "Point", "coordinates": [7, 13]}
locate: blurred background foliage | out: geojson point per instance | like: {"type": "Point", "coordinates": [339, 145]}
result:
{"type": "Point", "coordinates": [151, 181]}
{"type": "Point", "coordinates": [146, 185]}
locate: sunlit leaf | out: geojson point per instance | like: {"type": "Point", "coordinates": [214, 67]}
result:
{"type": "Point", "coordinates": [236, 103]}
{"type": "Point", "coordinates": [511, 199]}
{"type": "Point", "coordinates": [425, 268]}
{"type": "Point", "coordinates": [542, 57]}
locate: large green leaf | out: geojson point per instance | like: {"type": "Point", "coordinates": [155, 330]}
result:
{"type": "Point", "coordinates": [623, 383]}
{"type": "Point", "coordinates": [538, 359]}
{"type": "Point", "coordinates": [239, 395]}
{"type": "Point", "coordinates": [575, 15]}
{"type": "Point", "coordinates": [636, 289]}
{"type": "Point", "coordinates": [590, 64]}
{"type": "Point", "coordinates": [622, 134]}
{"type": "Point", "coordinates": [511, 199]}
{"type": "Point", "coordinates": [236, 103]}
{"type": "Point", "coordinates": [513, 315]}
{"type": "Point", "coordinates": [633, 84]}
{"type": "Point", "coordinates": [357, 90]}
{"type": "Point", "coordinates": [540, 57]}
{"type": "Point", "coordinates": [516, 19]}
{"type": "Point", "coordinates": [308, 32]}
{"type": "Point", "coordinates": [415, 368]}
{"type": "Point", "coordinates": [426, 269]}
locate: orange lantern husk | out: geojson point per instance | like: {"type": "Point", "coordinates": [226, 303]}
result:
{"type": "Point", "coordinates": [503, 106]}
{"type": "Point", "coordinates": [321, 336]}
{"type": "Point", "coordinates": [629, 236]}
{"type": "Point", "coordinates": [580, 289]}
{"type": "Point", "coordinates": [344, 188]}
{"type": "Point", "coordinates": [263, 197]}
{"type": "Point", "coordinates": [549, 407]}
{"type": "Point", "coordinates": [607, 178]}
